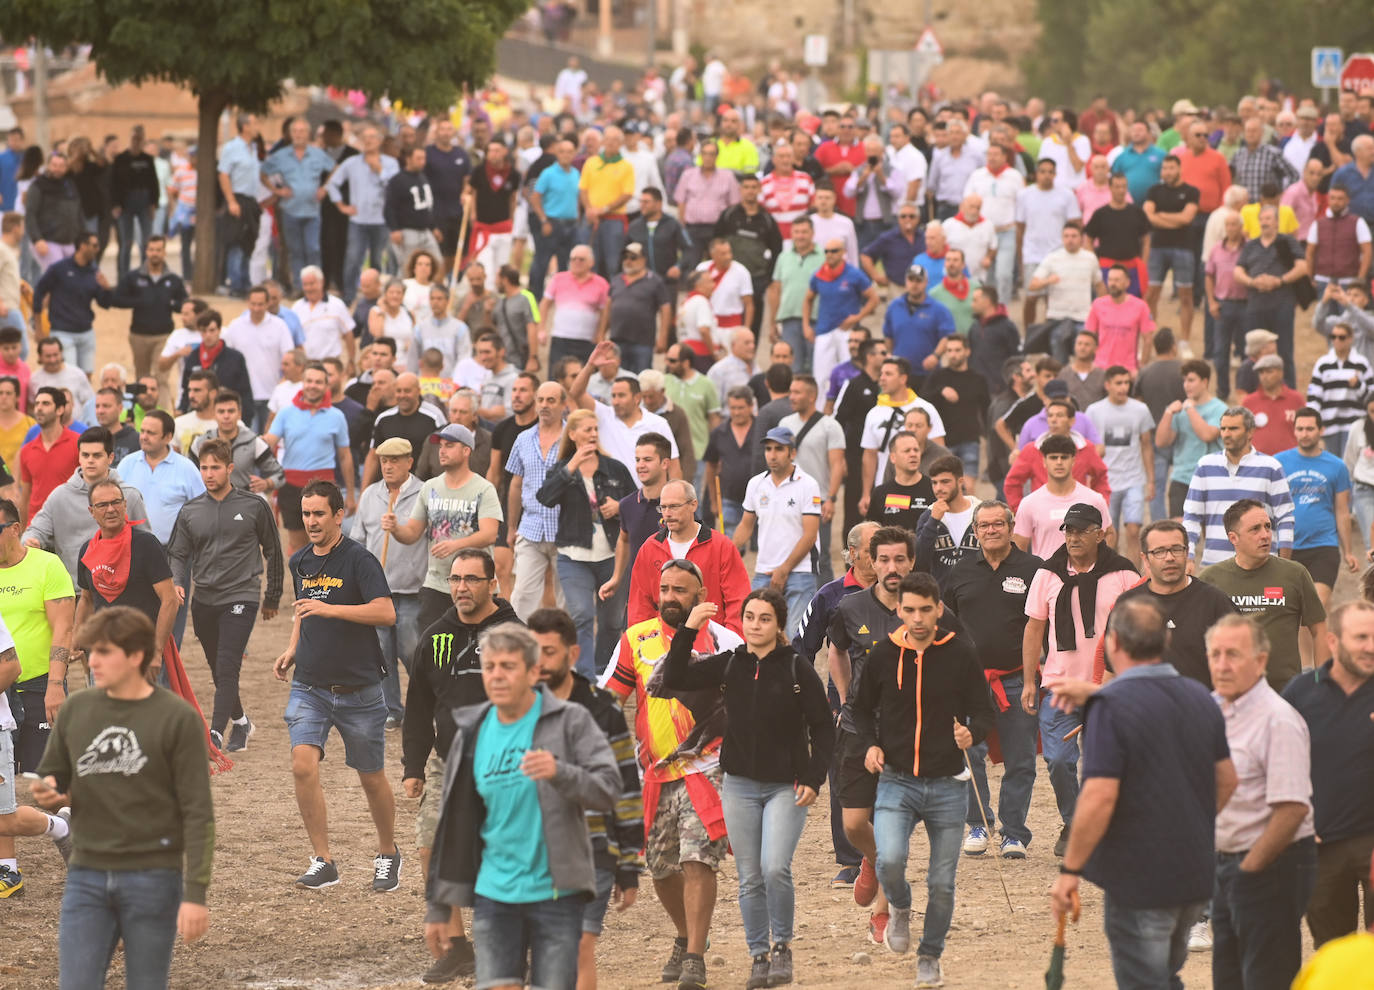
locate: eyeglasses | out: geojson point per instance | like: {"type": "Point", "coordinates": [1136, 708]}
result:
{"type": "Point", "coordinates": [993, 524]}
{"type": "Point", "coordinates": [674, 507]}
{"type": "Point", "coordinates": [468, 579]}
{"type": "Point", "coordinates": [102, 506]}
{"type": "Point", "coordinates": [906, 216]}
{"type": "Point", "coordinates": [1340, 336]}
{"type": "Point", "coordinates": [1161, 553]}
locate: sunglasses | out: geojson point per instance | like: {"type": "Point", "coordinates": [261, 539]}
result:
{"type": "Point", "coordinates": [1340, 336]}
{"type": "Point", "coordinates": [834, 250]}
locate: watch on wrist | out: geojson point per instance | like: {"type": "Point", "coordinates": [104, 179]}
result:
{"type": "Point", "coordinates": [1067, 871]}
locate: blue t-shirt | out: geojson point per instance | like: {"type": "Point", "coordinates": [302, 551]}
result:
{"type": "Point", "coordinates": [310, 440]}
{"type": "Point", "coordinates": [1141, 169]}
{"type": "Point", "coordinates": [895, 253]}
{"type": "Point", "coordinates": [1314, 483]}
{"type": "Point", "coordinates": [337, 651]}
{"type": "Point", "coordinates": [9, 179]}
{"type": "Point", "coordinates": [916, 329]}
{"type": "Point", "coordinates": [838, 298]}
{"type": "Point", "coordinates": [558, 191]}
{"type": "Point", "coordinates": [515, 859]}
{"type": "Point", "coordinates": [293, 323]}
{"type": "Point", "coordinates": [1188, 448]}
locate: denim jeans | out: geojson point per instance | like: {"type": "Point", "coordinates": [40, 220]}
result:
{"type": "Point", "coordinates": [546, 933]}
{"type": "Point", "coordinates": [1148, 945]}
{"type": "Point", "coordinates": [825, 568]}
{"type": "Point", "coordinates": [223, 631]}
{"type": "Point", "coordinates": [365, 241]}
{"type": "Point", "coordinates": [1016, 731]}
{"type": "Point", "coordinates": [904, 800]}
{"type": "Point", "coordinates": [734, 512]}
{"type": "Point", "coordinates": [597, 626]}
{"type": "Point", "coordinates": [101, 907]}
{"type": "Point", "coordinates": [1062, 335]}
{"type": "Point", "coordinates": [765, 826]}
{"type": "Point", "coordinates": [78, 348]}
{"type": "Point", "coordinates": [1362, 500]}
{"type": "Point", "coordinates": [1275, 311]}
{"type": "Point", "coordinates": [1257, 919]}
{"type": "Point", "coordinates": [606, 240]}
{"type": "Point", "coordinates": [398, 643]}
{"type": "Point", "coordinates": [1164, 460]}
{"type": "Point", "coordinates": [301, 237]}
{"type": "Point", "coordinates": [124, 223]}
{"type": "Point", "coordinates": [1335, 442]}
{"type": "Point", "coordinates": [558, 245]}
{"type": "Point", "coordinates": [1004, 265]}
{"type": "Point", "coordinates": [968, 456]}
{"type": "Point", "coordinates": [635, 358]}
{"type": "Point", "coordinates": [1061, 756]}
{"type": "Point", "coordinates": [799, 590]}
{"type": "Point", "coordinates": [801, 349]}
{"type": "Point", "coordinates": [1229, 335]}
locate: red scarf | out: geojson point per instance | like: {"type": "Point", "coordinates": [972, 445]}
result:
{"type": "Point", "coordinates": [963, 220]}
{"type": "Point", "coordinates": [934, 256]}
{"type": "Point", "coordinates": [827, 274]}
{"type": "Point", "coordinates": [955, 289]}
{"type": "Point", "coordinates": [300, 403]}
{"type": "Point", "coordinates": [996, 173]}
{"type": "Point", "coordinates": [1103, 149]}
{"type": "Point", "coordinates": [717, 274]}
{"type": "Point", "coordinates": [496, 179]}
{"type": "Point", "coordinates": [107, 558]}
{"type": "Point", "coordinates": [207, 358]}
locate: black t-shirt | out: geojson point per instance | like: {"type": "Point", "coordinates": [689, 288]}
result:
{"type": "Point", "coordinates": [1171, 199]}
{"type": "Point", "coordinates": [1118, 232]}
{"type": "Point", "coordinates": [732, 460]}
{"type": "Point", "coordinates": [1189, 614]}
{"type": "Point", "coordinates": [503, 440]}
{"type": "Point", "coordinates": [963, 419]}
{"type": "Point", "coordinates": [417, 428]}
{"type": "Point", "coordinates": [147, 566]}
{"type": "Point", "coordinates": [901, 505]}
{"type": "Point", "coordinates": [337, 651]}
{"type": "Point", "coordinates": [639, 518]}
{"type": "Point", "coordinates": [994, 603]}
{"type": "Point", "coordinates": [1021, 412]}
{"type": "Point", "coordinates": [493, 193]}
{"type": "Point", "coordinates": [125, 443]}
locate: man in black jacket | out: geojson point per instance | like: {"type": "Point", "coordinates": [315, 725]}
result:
{"type": "Point", "coordinates": [754, 240]}
{"type": "Point", "coordinates": [213, 354]}
{"type": "Point", "coordinates": [134, 193]}
{"type": "Point", "coordinates": [664, 239]}
{"type": "Point", "coordinates": [409, 210]}
{"type": "Point", "coordinates": [921, 704]}
{"type": "Point", "coordinates": [447, 675]}
{"type": "Point", "coordinates": [154, 293]}
{"type": "Point", "coordinates": [859, 395]}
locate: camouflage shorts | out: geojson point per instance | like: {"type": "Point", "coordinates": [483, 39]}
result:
{"type": "Point", "coordinates": [678, 835]}
{"type": "Point", "coordinates": [427, 821]}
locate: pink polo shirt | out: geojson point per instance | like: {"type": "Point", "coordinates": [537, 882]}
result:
{"type": "Point", "coordinates": [1303, 202]}
{"type": "Point", "coordinates": [1119, 327]}
{"type": "Point", "coordinates": [577, 304]}
{"type": "Point", "coordinates": [1040, 604]}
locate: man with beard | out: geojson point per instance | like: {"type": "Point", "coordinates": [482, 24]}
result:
{"type": "Point", "coordinates": [447, 675]}
{"type": "Point", "coordinates": [617, 840]}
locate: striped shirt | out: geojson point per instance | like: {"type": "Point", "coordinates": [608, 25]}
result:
{"type": "Point", "coordinates": [538, 522]}
{"type": "Point", "coordinates": [787, 198]}
{"type": "Point", "coordinates": [1218, 484]}
{"type": "Point", "coordinates": [1338, 388]}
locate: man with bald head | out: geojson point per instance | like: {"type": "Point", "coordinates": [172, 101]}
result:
{"type": "Point", "coordinates": [410, 419]}
{"type": "Point", "coordinates": [533, 525]}
{"type": "Point", "coordinates": [974, 235]}
{"type": "Point", "coordinates": [842, 296]}
{"type": "Point", "coordinates": [607, 183]}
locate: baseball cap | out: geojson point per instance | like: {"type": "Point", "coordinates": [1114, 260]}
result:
{"type": "Point", "coordinates": [1269, 361]}
{"type": "Point", "coordinates": [1056, 388]}
{"type": "Point", "coordinates": [1182, 106]}
{"type": "Point", "coordinates": [394, 447]}
{"type": "Point", "coordinates": [634, 250]}
{"type": "Point", "coordinates": [782, 435]}
{"type": "Point", "coordinates": [1081, 515]}
{"type": "Point", "coordinates": [917, 271]}
{"type": "Point", "coordinates": [456, 432]}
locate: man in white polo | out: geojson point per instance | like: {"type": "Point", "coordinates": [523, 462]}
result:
{"type": "Point", "coordinates": [624, 421]}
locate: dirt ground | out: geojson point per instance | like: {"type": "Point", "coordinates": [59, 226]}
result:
{"type": "Point", "coordinates": [266, 933]}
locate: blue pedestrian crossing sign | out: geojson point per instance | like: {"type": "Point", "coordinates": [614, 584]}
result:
{"type": "Point", "coordinates": [1326, 67]}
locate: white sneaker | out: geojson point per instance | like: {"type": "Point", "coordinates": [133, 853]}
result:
{"type": "Point", "coordinates": [1200, 937]}
{"type": "Point", "coordinates": [977, 842]}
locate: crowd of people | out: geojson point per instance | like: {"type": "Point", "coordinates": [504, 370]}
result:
{"type": "Point", "coordinates": [502, 416]}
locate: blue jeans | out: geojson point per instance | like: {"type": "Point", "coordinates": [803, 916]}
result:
{"type": "Point", "coordinates": [635, 358]}
{"type": "Point", "coordinates": [558, 245]}
{"type": "Point", "coordinates": [1016, 731]}
{"type": "Point", "coordinates": [606, 242]}
{"type": "Point", "coordinates": [1164, 460]}
{"type": "Point", "coordinates": [904, 800]}
{"type": "Point", "coordinates": [560, 347]}
{"type": "Point", "coordinates": [765, 826]}
{"type": "Point", "coordinates": [1257, 919]}
{"type": "Point", "coordinates": [733, 512]}
{"type": "Point", "coordinates": [365, 240]}
{"type": "Point", "coordinates": [1227, 337]}
{"type": "Point", "coordinates": [100, 907]}
{"type": "Point", "coordinates": [1062, 336]}
{"type": "Point", "coordinates": [78, 347]}
{"type": "Point", "coordinates": [124, 223]}
{"type": "Point", "coordinates": [398, 643]}
{"type": "Point", "coordinates": [968, 456]}
{"type": "Point", "coordinates": [1362, 499]}
{"type": "Point", "coordinates": [597, 625]}
{"type": "Point", "coordinates": [1275, 311]}
{"type": "Point", "coordinates": [301, 235]}
{"type": "Point", "coordinates": [1335, 442]}
{"type": "Point", "coordinates": [799, 590]}
{"type": "Point", "coordinates": [546, 933]}
{"type": "Point", "coordinates": [1148, 945]}
{"type": "Point", "coordinates": [801, 349]}
{"type": "Point", "coordinates": [1060, 756]}
{"type": "Point", "coordinates": [360, 717]}
{"type": "Point", "coordinates": [1004, 265]}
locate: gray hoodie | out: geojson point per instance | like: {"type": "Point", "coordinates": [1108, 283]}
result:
{"type": "Point", "coordinates": [65, 521]}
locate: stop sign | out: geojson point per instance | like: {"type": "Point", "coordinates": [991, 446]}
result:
{"type": "Point", "coordinates": [1358, 74]}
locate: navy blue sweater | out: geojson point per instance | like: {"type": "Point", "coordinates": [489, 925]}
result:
{"type": "Point", "coordinates": [70, 289]}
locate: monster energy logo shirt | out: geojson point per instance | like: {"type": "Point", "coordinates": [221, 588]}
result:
{"type": "Point", "coordinates": [336, 651]}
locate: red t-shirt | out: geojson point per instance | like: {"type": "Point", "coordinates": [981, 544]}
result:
{"type": "Point", "coordinates": [1273, 426]}
{"type": "Point", "coordinates": [45, 468]}
{"type": "Point", "coordinates": [831, 153]}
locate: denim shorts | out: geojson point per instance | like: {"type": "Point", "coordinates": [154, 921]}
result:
{"type": "Point", "coordinates": [1128, 505]}
{"type": "Point", "coordinates": [1180, 260]}
{"type": "Point", "coordinates": [360, 718]}
{"type": "Point", "coordinates": [9, 804]}
{"type": "Point", "coordinates": [545, 932]}
{"type": "Point", "coordinates": [594, 914]}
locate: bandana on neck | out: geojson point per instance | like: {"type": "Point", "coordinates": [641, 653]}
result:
{"type": "Point", "coordinates": [610, 159]}
{"type": "Point", "coordinates": [958, 288]}
{"type": "Point", "coordinates": [996, 173]}
{"type": "Point", "coordinates": [827, 274]}
{"type": "Point", "coordinates": [208, 357]}
{"type": "Point", "coordinates": [934, 256]}
{"type": "Point", "coordinates": [300, 403]}
{"type": "Point", "coordinates": [107, 558]}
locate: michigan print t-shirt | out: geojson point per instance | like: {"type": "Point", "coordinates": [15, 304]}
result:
{"type": "Point", "coordinates": [451, 514]}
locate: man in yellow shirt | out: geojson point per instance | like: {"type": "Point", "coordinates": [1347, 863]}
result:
{"type": "Point", "coordinates": [1269, 196]}
{"type": "Point", "coordinates": [607, 183]}
{"type": "Point", "coordinates": [737, 153]}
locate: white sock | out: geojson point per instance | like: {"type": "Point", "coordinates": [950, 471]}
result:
{"type": "Point", "coordinates": [57, 827]}
{"type": "Point", "coordinates": [241, 721]}
{"type": "Point", "coordinates": [13, 864]}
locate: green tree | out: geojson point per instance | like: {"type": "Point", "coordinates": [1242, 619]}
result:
{"type": "Point", "coordinates": [240, 53]}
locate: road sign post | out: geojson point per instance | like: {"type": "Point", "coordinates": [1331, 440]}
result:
{"type": "Point", "coordinates": [1326, 66]}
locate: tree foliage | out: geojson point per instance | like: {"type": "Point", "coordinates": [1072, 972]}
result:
{"type": "Point", "coordinates": [1142, 52]}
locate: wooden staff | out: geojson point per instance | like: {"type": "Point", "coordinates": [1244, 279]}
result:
{"type": "Point", "coordinates": [720, 506]}
{"type": "Point", "coordinates": [386, 537]}
{"type": "Point", "coordinates": [460, 247]}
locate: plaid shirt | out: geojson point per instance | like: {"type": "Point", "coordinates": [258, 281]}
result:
{"type": "Point", "coordinates": [538, 522]}
{"type": "Point", "coordinates": [1266, 163]}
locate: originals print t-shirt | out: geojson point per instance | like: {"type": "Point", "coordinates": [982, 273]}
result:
{"type": "Point", "coordinates": [451, 514]}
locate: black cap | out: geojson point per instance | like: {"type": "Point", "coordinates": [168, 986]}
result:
{"type": "Point", "coordinates": [1081, 515]}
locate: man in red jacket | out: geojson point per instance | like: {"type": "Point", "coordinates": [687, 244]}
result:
{"type": "Point", "coordinates": [1029, 465]}
{"type": "Point", "coordinates": [727, 582]}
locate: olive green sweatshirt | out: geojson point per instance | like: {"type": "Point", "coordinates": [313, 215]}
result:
{"type": "Point", "coordinates": [138, 773]}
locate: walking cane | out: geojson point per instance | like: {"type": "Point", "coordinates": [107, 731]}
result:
{"type": "Point", "coordinates": [720, 506]}
{"type": "Point", "coordinates": [386, 537]}
{"type": "Point", "coordinates": [460, 247]}
{"type": "Point", "coordinates": [981, 811]}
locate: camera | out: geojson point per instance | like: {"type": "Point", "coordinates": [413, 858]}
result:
{"type": "Point", "coordinates": [872, 161]}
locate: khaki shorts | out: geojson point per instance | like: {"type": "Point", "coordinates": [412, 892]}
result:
{"type": "Point", "coordinates": [678, 835]}
{"type": "Point", "coordinates": [427, 821]}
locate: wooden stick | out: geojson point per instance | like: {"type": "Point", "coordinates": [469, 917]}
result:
{"type": "Point", "coordinates": [459, 248]}
{"type": "Point", "coordinates": [386, 537]}
{"type": "Point", "coordinates": [720, 506]}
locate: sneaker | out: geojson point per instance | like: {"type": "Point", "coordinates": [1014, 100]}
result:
{"type": "Point", "coordinates": [217, 740]}
{"type": "Point", "coordinates": [898, 934]}
{"type": "Point", "coordinates": [866, 884]}
{"type": "Point", "coordinates": [1200, 937]}
{"type": "Point", "coordinates": [758, 973]}
{"type": "Point", "coordinates": [320, 874]}
{"type": "Point", "coordinates": [1062, 843]}
{"type": "Point", "coordinates": [454, 964]}
{"type": "Point", "coordinates": [877, 927]}
{"type": "Point", "coordinates": [11, 883]}
{"type": "Point", "coordinates": [693, 973]}
{"type": "Point", "coordinates": [780, 966]}
{"type": "Point", "coordinates": [64, 844]}
{"type": "Point", "coordinates": [392, 723]}
{"type": "Point", "coordinates": [977, 842]}
{"type": "Point", "coordinates": [1012, 848]}
{"type": "Point", "coordinates": [672, 969]}
{"type": "Point", "coordinates": [846, 877]}
{"type": "Point", "coordinates": [928, 973]}
{"type": "Point", "coordinates": [386, 871]}
{"type": "Point", "coordinates": [239, 734]}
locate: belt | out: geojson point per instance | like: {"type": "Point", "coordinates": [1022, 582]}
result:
{"type": "Point", "coordinates": [1225, 857]}
{"type": "Point", "coordinates": [346, 688]}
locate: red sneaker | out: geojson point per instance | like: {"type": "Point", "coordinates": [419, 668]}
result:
{"type": "Point", "coordinates": [866, 886]}
{"type": "Point", "coordinates": [877, 928]}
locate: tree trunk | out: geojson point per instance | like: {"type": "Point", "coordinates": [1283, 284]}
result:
{"type": "Point", "coordinates": [207, 181]}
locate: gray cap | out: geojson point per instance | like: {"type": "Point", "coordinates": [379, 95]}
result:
{"type": "Point", "coordinates": [456, 432]}
{"type": "Point", "coordinates": [1269, 361]}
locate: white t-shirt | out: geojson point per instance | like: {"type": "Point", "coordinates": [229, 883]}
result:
{"type": "Point", "coordinates": [727, 298]}
{"type": "Point", "coordinates": [469, 374]}
{"type": "Point", "coordinates": [1065, 177]}
{"type": "Point", "coordinates": [1044, 211]}
{"type": "Point", "coordinates": [618, 439]}
{"type": "Point", "coordinates": [998, 193]}
{"type": "Point", "coordinates": [912, 163]}
{"type": "Point", "coordinates": [695, 313]}
{"type": "Point", "coordinates": [975, 241]}
{"type": "Point", "coordinates": [779, 509]}
{"type": "Point", "coordinates": [875, 429]}
{"type": "Point", "coordinates": [283, 395]}
{"type": "Point", "coordinates": [181, 337]}
{"type": "Point", "coordinates": [1072, 296]}
{"type": "Point", "coordinates": [958, 522]}
{"type": "Point", "coordinates": [1121, 427]}
{"type": "Point", "coordinates": [679, 550]}
{"type": "Point", "coordinates": [262, 345]}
